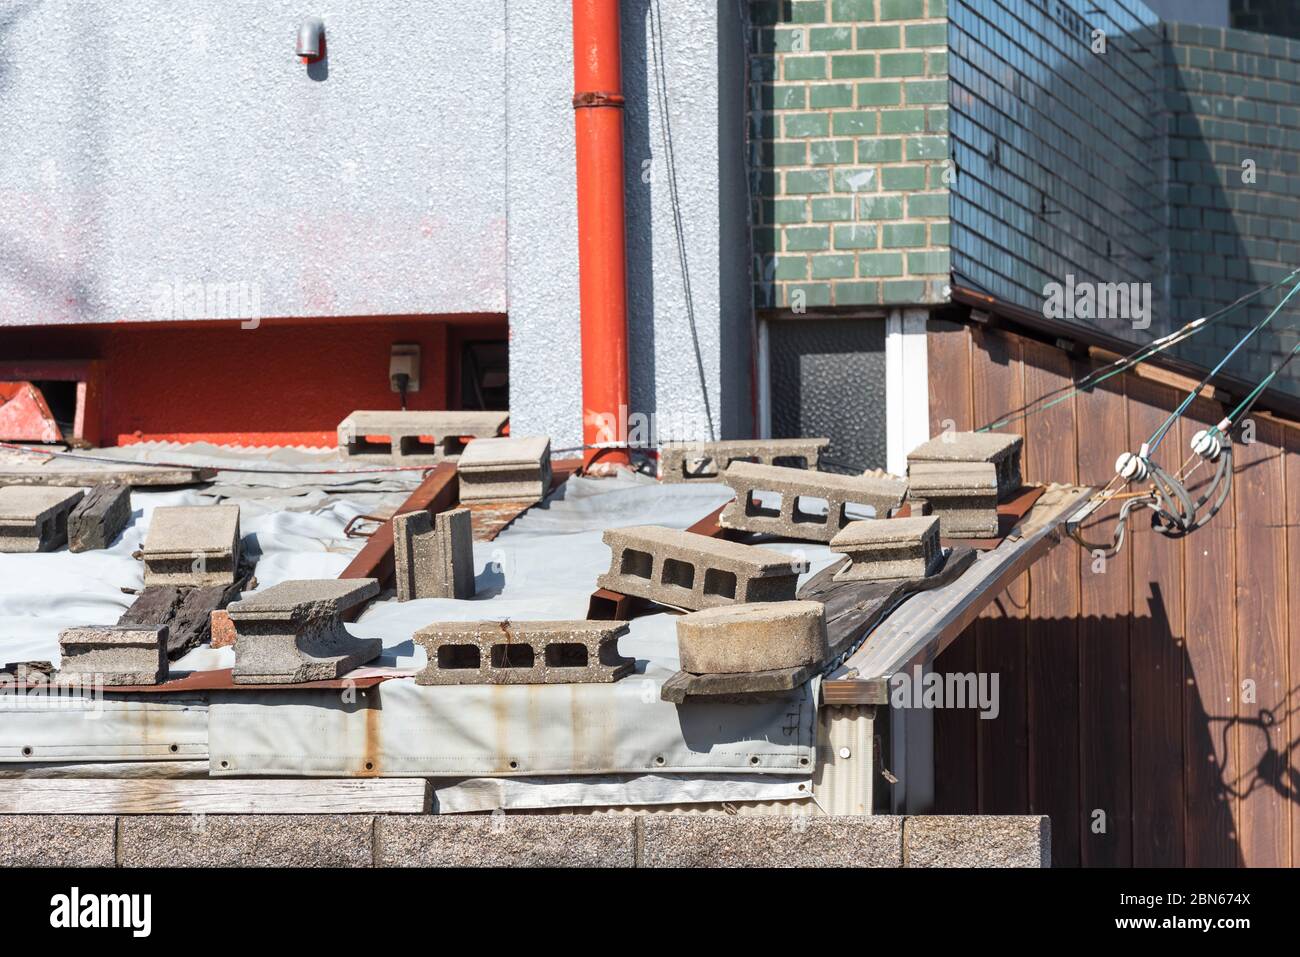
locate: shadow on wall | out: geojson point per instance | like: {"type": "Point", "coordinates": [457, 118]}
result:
{"type": "Point", "coordinates": [1098, 818]}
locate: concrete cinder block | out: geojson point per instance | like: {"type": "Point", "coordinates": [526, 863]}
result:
{"type": "Point", "coordinates": [885, 551]}
{"type": "Point", "coordinates": [116, 654]}
{"type": "Point", "coordinates": [294, 632]}
{"type": "Point", "coordinates": [963, 495]}
{"type": "Point", "coordinates": [705, 461]}
{"type": "Point", "coordinates": [514, 469]}
{"type": "Point", "coordinates": [99, 518]}
{"type": "Point", "coordinates": [766, 636]}
{"type": "Point", "coordinates": [1000, 449]}
{"type": "Point", "coordinates": [246, 840]}
{"type": "Point", "coordinates": [507, 840]}
{"type": "Point", "coordinates": [434, 554]}
{"type": "Point", "coordinates": [192, 545]}
{"type": "Point", "coordinates": [414, 438]}
{"type": "Point", "coordinates": [844, 495]}
{"type": "Point", "coordinates": [522, 652]}
{"type": "Point", "coordinates": [34, 518]}
{"type": "Point", "coordinates": [978, 841]}
{"type": "Point", "coordinates": [57, 840]}
{"type": "Point", "coordinates": [726, 840]}
{"type": "Point", "coordinates": [693, 571]}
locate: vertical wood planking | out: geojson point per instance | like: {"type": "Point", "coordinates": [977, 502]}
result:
{"type": "Point", "coordinates": [1291, 473]}
{"type": "Point", "coordinates": [1209, 676]}
{"type": "Point", "coordinates": [1051, 635]}
{"type": "Point", "coordinates": [956, 766]}
{"type": "Point", "coordinates": [1156, 655]}
{"type": "Point", "coordinates": [998, 387]}
{"type": "Point", "coordinates": [1261, 586]}
{"type": "Point", "coordinates": [1105, 604]}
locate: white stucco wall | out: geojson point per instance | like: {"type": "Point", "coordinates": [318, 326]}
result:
{"type": "Point", "coordinates": [428, 170]}
{"type": "Point", "coordinates": [150, 141]}
{"type": "Point", "coordinates": [701, 63]}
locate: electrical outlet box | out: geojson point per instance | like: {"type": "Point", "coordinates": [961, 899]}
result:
{"type": "Point", "coordinates": [404, 358]}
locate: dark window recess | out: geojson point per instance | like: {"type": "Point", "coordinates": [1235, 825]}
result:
{"type": "Point", "coordinates": [61, 397]}
{"type": "Point", "coordinates": [485, 375]}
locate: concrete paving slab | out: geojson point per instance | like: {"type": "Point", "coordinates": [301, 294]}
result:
{"type": "Point", "coordinates": [116, 654]}
{"type": "Point", "coordinates": [192, 545]}
{"type": "Point", "coordinates": [34, 518]}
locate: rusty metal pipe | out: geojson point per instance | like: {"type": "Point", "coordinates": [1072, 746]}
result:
{"type": "Point", "coordinates": [602, 245]}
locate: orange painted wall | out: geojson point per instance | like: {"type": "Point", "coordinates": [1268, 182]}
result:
{"type": "Point", "coordinates": [285, 382]}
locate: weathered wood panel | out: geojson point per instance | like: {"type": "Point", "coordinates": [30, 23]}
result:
{"type": "Point", "coordinates": [1142, 745]}
{"type": "Point", "coordinates": [1051, 629]}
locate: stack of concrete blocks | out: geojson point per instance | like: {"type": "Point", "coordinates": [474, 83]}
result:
{"type": "Point", "coordinates": [34, 518]}
{"type": "Point", "coordinates": [899, 548]}
{"type": "Point", "coordinates": [522, 652]}
{"type": "Point", "coordinates": [116, 655]}
{"type": "Point", "coordinates": [434, 554]}
{"type": "Point", "coordinates": [407, 433]}
{"type": "Point", "coordinates": [192, 545]}
{"type": "Point", "coordinates": [872, 496]}
{"type": "Point", "coordinates": [964, 496]}
{"type": "Point", "coordinates": [1000, 450]}
{"type": "Point", "coordinates": [514, 469]}
{"type": "Point", "coordinates": [99, 517]}
{"type": "Point", "coordinates": [293, 632]}
{"type": "Point", "coordinates": [744, 639]}
{"type": "Point", "coordinates": [705, 461]}
{"type": "Point", "coordinates": [692, 571]}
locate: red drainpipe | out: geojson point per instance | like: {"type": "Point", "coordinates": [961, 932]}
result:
{"type": "Point", "coordinates": [602, 252]}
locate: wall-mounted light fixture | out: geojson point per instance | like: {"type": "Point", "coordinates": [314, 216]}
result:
{"type": "Point", "coordinates": [311, 40]}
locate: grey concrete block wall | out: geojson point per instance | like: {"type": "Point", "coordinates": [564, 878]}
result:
{"type": "Point", "coordinates": [521, 840]}
{"type": "Point", "coordinates": [985, 841]}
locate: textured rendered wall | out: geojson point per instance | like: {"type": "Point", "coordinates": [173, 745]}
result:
{"type": "Point", "coordinates": [849, 124]}
{"type": "Point", "coordinates": [687, 236]}
{"type": "Point", "coordinates": [150, 142]}
{"type": "Point", "coordinates": [1058, 149]}
{"type": "Point", "coordinates": [1233, 98]}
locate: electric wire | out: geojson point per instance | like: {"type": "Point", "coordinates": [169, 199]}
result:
{"type": "Point", "coordinates": [1124, 363]}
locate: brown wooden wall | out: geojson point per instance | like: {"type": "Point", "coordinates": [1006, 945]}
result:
{"type": "Point", "coordinates": [1122, 691]}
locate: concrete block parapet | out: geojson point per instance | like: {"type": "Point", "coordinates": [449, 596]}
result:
{"type": "Point", "coordinates": [192, 545]}
{"type": "Point", "coordinates": [889, 550]}
{"type": "Point", "coordinates": [977, 841]}
{"type": "Point", "coordinates": [692, 571]}
{"type": "Point", "coordinates": [522, 652]}
{"type": "Point", "coordinates": [802, 497]}
{"type": "Point", "coordinates": [963, 495]}
{"type": "Point", "coordinates": [999, 449]}
{"type": "Point", "coordinates": [99, 518]}
{"type": "Point", "coordinates": [514, 469]}
{"type": "Point", "coordinates": [764, 636]}
{"type": "Point", "coordinates": [116, 654]}
{"type": "Point", "coordinates": [293, 632]}
{"type": "Point", "coordinates": [724, 840]}
{"type": "Point", "coordinates": [413, 438]}
{"type": "Point", "coordinates": [804, 838]}
{"type": "Point", "coordinates": [434, 554]}
{"type": "Point", "coordinates": [34, 518]}
{"type": "Point", "coordinates": [706, 461]}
